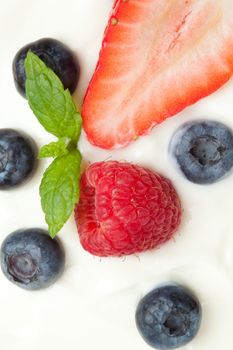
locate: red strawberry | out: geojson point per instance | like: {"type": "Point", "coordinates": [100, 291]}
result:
{"type": "Point", "coordinates": [158, 57]}
{"type": "Point", "coordinates": [125, 209]}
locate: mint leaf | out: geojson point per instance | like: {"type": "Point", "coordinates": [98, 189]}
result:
{"type": "Point", "coordinates": [59, 190]}
{"type": "Point", "coordinates": [53, 149]}
{"type": "Point", "coordinates": [52, 105]}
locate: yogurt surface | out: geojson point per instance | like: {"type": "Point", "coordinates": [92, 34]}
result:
{"type": "Point", "coordinates": [93, 304]}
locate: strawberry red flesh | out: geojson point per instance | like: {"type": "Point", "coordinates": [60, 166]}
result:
{"type": "Point", "coordinates": [157, 57]}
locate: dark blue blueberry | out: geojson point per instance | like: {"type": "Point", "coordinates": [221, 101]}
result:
{"type": "Point", "coordinates": [17, 158]}
{"type": "Point", "coordinates": [203, 151]}
{"type": "Point", "coordinates": [31, 259]}
{"type": "Point", "coordinates": [168, 317]}
{"type": "Point", "coordinates": [55, 55]}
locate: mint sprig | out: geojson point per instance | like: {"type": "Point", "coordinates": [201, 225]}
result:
{"type": "Point", "coordinates": [56, 111]}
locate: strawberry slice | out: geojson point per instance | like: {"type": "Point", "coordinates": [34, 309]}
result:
{"type": "Point", "coordinates": [158, 57]}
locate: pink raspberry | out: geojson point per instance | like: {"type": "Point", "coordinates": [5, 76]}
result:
{"type": "Point", "coordinates": [125, 209]}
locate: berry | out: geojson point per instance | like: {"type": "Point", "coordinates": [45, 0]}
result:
{"type": "Point", "coordinates": [17, 158]}
{"type": "Point", "coordinates": [31, 259]}
{"type": "Point", "coordinates": [158, 57]}
{"type": "Point", "coordinates": [55, 55]}
{"type": "Point", "coordinates": [168, 317]}
{"type": "Point", "coordinates": [203, 151]}
{"type": "Point", "coordinates": [125, 209]}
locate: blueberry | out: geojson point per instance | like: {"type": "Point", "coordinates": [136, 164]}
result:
{"type": "Point", "coordinates": [55, 55]}
{"type": "Point", "coordinates": [203, 151]}
{"type": "Point", "coordinates": [31, 259]}
{"type": "Point", "coordinates": [17, 157]}
{"type": "Point", "coordinates": [168, 317]}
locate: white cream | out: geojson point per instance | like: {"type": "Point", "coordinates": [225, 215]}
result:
{"type": "Point", "coordinates": [93, 305]}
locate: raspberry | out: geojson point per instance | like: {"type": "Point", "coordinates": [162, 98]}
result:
{"type": "Point", "coordinates": [125, 209]}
